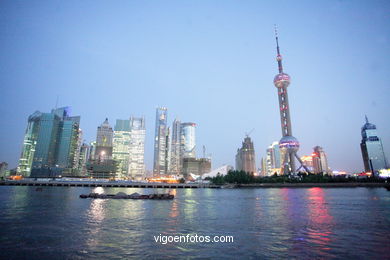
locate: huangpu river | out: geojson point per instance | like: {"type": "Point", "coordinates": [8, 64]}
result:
{"type": "Point", "coordinates": [303, 223]}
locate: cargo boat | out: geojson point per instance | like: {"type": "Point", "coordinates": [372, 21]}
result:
{"type": "Point", "coordinates": [134, 196]}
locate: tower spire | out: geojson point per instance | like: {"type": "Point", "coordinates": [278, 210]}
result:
{"type": "Point", "coordinates": [366, 119]}
{"type": "Point", "coordinates": [278, 56]}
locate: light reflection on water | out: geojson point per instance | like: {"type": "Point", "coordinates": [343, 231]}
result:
{"type": "Point", "coordinates": [265, 223]}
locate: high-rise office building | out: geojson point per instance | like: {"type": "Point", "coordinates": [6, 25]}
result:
{"type": "Point", "coordinates": [374, 158]}
{"type": "Point", "coordinates": [68, 143]}
{"type": "Point", "coordinates": [308, 161]}
{"type": "Point", "coordinates": [160, 163]}
{"type": "Point", "coordinates": [104, 145]}
{"type": "Point", "coordinates": [320, 161]}
{"type": "Point", "coordinates": [188, 141]}
{"type": "Point", "coordinates": [273, 159]}
{"type": "Point", "coordinates": [50, 144]}
{"type": "Point", "coordinates": [29, 144]}
{"type": "Point", "coordinates": [245, 157]}
{"type": "Point", "coordinates": [82, 159]}
{"type": "Point", "coordinates": [3, 169]}
{"type": "Point", "coordinates": [263, 171]}
{"type": "Point", "coordinates": [121, 147]}
{"type": "Point", "coordinates": [137, 148]}
{"type": "Point", "coordinates": [101, 164]}
{"type": "Point", "coordinates": [176, 159]}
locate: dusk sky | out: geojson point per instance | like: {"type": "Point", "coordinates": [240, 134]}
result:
{"type": "Point", "coordinates": [209, 62]}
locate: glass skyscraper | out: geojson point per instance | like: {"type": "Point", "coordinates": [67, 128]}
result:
{"type": "Point", "coordinates": [372, 149]}
{"type": "Point", "coordinates": [176, 160]}
{"type": "Point", "coordinates": [273, 159]}
{"type": "Point", "coordinates": [50, 144]}
{"type": "Point", "coordinates": [160, 163]}
{"type": "Point", "coordinates": [121, 148]}
{"type": "Point", "coordinates": [188, 141]}
{"type": "Point", "coordinates": [137, 148]}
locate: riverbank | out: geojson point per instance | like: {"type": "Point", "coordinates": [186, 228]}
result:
{"type": "Point", "coordinates": [313, 185]}
{"type": "Point", "coordinates": [115, 184]}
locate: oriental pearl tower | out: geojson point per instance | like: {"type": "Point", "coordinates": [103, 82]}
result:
{"type": "Point", "coordinates": [288, 145]}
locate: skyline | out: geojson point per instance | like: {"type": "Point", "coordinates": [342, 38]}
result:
{"type": "Point", "coordinates": [203, 51]}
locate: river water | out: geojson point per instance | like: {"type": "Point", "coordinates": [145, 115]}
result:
{"type": "Point", "coordinates": [264, 223]}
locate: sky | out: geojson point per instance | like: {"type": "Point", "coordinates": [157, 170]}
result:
{"type": "Point", "coordinates": [209, 62]}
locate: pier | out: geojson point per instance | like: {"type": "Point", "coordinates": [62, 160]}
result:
{"type": "Point", "coordinates": [107, 184]}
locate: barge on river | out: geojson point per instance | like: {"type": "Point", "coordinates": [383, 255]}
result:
{"type": "Point", "coordinates": [134, 196]}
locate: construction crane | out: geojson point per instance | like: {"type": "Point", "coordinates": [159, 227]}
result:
{"type": "Point", "coordinates": [248, 133]}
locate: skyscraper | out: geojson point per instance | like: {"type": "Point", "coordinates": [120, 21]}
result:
{"type": "Point", "coordinates": [188, 141]}
{"type": "Point", "coordinates": [372, 149]}
{"type": "Point", "coordinates": [101, 164]}
{"type": "Point", "coordinates": [273, 159]}
{"type": "Point", "coordinates": [289, 145]}
{"type": "Point", "coordinates": [68, 141]}
{"type": "Point", "coordinates": [50, 144]}
{"type": "Point", "coordinates": [176, 160]}
{"type": "Point", "coordinates": [137, 148]}
{"type": "Point", "coordinates": [121, 147]}
{"type": "Point", "coordinates": [245, 157]}
{"type": "Point", "coordinates": [320, 160]}
{"type": "Point", "coordinates": [160, 163]}
{"type": "Point", "coordinates": [104, 145]}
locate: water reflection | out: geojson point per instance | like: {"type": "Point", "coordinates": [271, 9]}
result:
{"type": "Point", "coordinates": [320, 221]}
{"type": "Point", "coordinates": [95, 215]}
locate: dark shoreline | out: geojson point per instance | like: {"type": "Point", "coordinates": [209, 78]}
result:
{"type": "Point", "coordinates": [193, 185]}
{"type": "Point", "coordinates": [313, 185]}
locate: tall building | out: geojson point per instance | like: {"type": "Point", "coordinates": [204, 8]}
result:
{"type": "Point", "coordinates": [320, 161]}
{"type": "Point", "coordinates": [101, 164]}
{"type": "Point", "coordinates": [188, 141]}
{"type": "Point", "coordinates": [371, 146]}
{"type": "Point", "coordinates": [273, 159]}
{"type": "Point", "coordinates": [3, 169]}
{"type": "Point", "coordinates": [68, 142]}
{"type": "Point", "coordinates": [137, 148]}
{"type": "Point", "coordinates": [121, 147]}
{"type": "Point", "coordinates": [82, 159]}
{"type": "Point", "coordinates": [29, 144]}
{"type": "Point", "coordinates": [176, 159]}
{"type": "Point", "coordinates": [263, 171]}
{"type": "Point", "coordinates": [160, 163]}
{"type": "Point", "coordinates": [50, 144]}
{"type": "Point", "coordinates": [289, 145]}
{"type": "Point", "coordinates": [104, 138]}
{"type": "Point", "coordinates": [245, 157]}
{"type": "Point", "coordinates": [308, 161]}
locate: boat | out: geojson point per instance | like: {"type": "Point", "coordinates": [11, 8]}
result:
{"type": "Point", "coordinates": [134, 196]}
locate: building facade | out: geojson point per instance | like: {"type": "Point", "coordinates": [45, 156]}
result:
{"type": "Point", "coordinates": [176, 162]}
{"type": "Point", "coordinates": [196, 166]}
{"type": "Point", "coordinates": [245, 157]}
{"type": "Point", "coordinates": [50, 144]}
{"type": "Point", "coordinates": [188, 140]}
{"type": "Point", "coordinates": [104, 142]}
{"type": "Point", "coordinates": [160, 162]}
{"type": "Point", "coordinates": [121, 147]}
{"type": "Point", "coordinates": [374, 158]}
{"type": "Point", "coordinates": [137, 148]}
{"type": "Point", "coordinates": [273, 159]}
{"type": "Point", "coordinates": [320, 161]}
